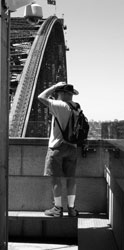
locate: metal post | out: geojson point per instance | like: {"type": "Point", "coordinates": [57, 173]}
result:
{"type": "Point", "coordinates": [4, 74]}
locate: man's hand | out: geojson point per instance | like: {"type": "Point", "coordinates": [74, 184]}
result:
{"type": "Point", "coordinates": [59, 84]}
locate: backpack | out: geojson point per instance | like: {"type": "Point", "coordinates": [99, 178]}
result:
{"type": "Point", "coordinates": [76, 131]}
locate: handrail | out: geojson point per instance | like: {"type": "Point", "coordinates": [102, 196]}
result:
{"type": "Point", "coordinates": [115, 143]}
{"type": "Point", "coordinates": [23, 99]}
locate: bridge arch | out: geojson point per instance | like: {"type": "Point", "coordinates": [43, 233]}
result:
{"type": "Point", "coordinates": [45, 65]}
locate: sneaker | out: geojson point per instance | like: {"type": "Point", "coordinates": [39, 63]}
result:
{"type": "Point", "coordinates": [72, 212]}
{"type": "Point", "coordinates": [55, 212]}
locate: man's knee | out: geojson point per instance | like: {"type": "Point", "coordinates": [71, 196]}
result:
{"type": "Point", "coordinates": [56, 181]}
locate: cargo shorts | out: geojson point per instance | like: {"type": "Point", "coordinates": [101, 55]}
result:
{"type": "Point", "coordinates": [61, 161]}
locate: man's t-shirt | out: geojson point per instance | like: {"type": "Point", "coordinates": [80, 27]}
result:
{"type": "Point", "coordinates": [61, 110]}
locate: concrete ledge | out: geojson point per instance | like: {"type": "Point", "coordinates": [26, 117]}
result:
{"type": "Point", "coordinates": [34, 226]}
{"type": "Point", "coordinates": [34, 246]}
{"type": "Point", "coordinates": [35, 215]}
{"type": "Point", "coordinates": [95, 233]}
{"type": "Point", "coordinates": [44, 141]}
{"type": "Point", "coordinates": [118, 143]}
{"type": "Point", "coordinates": [28, 141]}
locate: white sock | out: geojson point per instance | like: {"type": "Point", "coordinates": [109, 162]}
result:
{"type": "Point", "coordinates": [71, 200]}
{"type": "Point", "coordinates": [58, 201]}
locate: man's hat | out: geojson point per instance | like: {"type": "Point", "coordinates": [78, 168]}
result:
{"type": "Point", "coordinates": [67, 88]}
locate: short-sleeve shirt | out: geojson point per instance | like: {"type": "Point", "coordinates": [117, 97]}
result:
{"type": "Point", "coordinates": [61, 110]}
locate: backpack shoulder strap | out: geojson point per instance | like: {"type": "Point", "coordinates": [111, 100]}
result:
{"type": "Point", "coordinates": [72, 106]}
{"type": "Point", "coordinates": [59, 125]}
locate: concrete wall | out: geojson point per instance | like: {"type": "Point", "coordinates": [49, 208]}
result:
{"type": "Point", "coordinates": [30, 190]}
{"type": "Point", "coordinates": [115, 183]}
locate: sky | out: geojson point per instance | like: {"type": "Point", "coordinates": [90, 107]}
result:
{"type": "Point", "coordinates": [95, 60]}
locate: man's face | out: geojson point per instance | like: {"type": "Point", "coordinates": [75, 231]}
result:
{"type": "Point", "coordinates": [60, 95]}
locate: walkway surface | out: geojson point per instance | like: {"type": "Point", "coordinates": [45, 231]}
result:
{"type": "Point", "coordinates": [95, 234]}
{"type": "Point", "coordinates": [26, 246]}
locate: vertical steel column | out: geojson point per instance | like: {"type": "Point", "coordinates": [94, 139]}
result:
{"type": "Point", "coordinates": [4, 74]}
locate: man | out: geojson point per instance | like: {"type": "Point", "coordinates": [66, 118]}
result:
{"type": "Point", "coordinates": [61, 156]}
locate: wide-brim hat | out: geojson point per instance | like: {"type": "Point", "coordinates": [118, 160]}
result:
{"type": "Point", "coordinates": [67, 88]}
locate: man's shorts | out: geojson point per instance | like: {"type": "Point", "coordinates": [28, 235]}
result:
{"type": "Point", "coordinates": [61, 161]}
